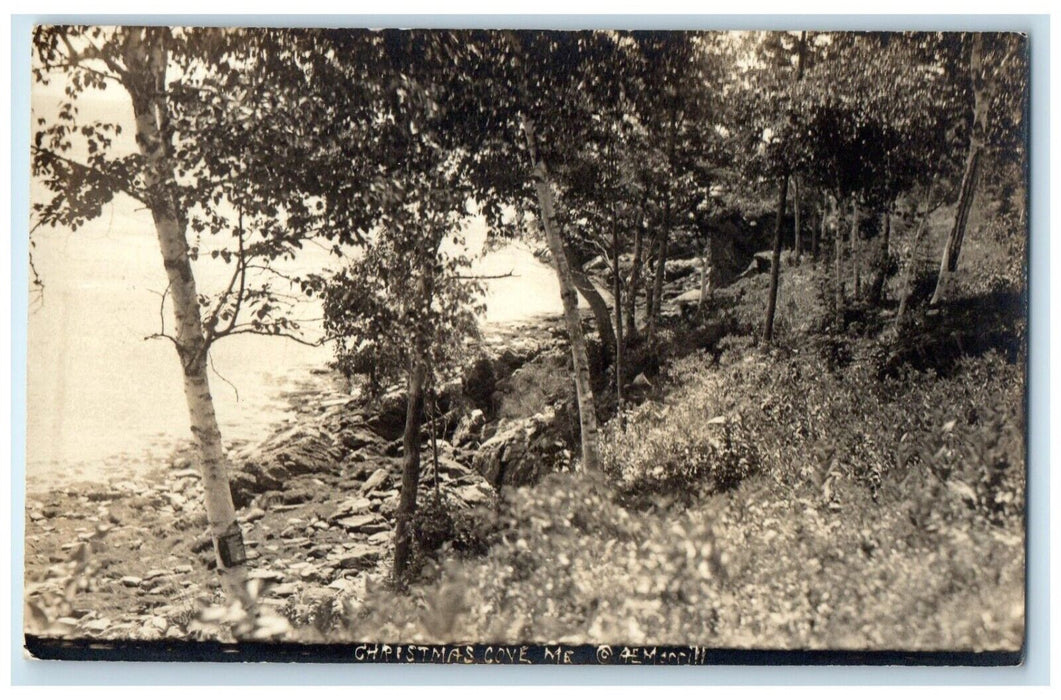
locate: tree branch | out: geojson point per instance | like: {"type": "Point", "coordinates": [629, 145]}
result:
{"type": "Point", "coordinates": [483, 277]}
{"type": "Point", "coordinates": [119, 184]}
{"type": "Point", "coordinates": [249, 330]}
{"type": "Point", "coordinates": [240, 272]}
{"type": "Point", "coordinates": [79, 66]}
{"type": "Point", "coordinates": [107, 60]}
{"type": "Point", "coordinates": [168, 337]}
{"type": "Point", "coordinates": [223, 377]}
{"type": "Point", "coordinates": [162, 321]}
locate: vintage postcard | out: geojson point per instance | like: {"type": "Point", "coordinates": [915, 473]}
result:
{"type": "Point", "coordinates": [554, 347]}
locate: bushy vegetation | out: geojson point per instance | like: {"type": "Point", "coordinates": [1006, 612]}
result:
{"type": "Point", "coordinates": [442, 524]}
{"type": "Point", "coordinates": [571, 565]}
{"type": "Point", "coordinates": [860, 513]}
{"type": "Point", "coordinates": [678, 448]}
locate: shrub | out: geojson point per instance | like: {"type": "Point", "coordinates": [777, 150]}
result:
{"type": "Point", "coordinates": [572, 566]}
{"type": "Point", "coordinates": [885, 513]}
{"type": "Point", "coordinates": [536, 386]}
{"type": "Point", "coordinates": [677, 449]}
{"type": "Point", "coordinates": [440, 521]}
{"type": "Point", "coordinates": [479, 383]}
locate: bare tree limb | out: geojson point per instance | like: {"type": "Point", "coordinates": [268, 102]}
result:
{"type": "Point", "coordinates": [162, 320]}
{"type": "Point", "coordinates": [483, 277]}
{"type": "Point", "coordinates": [249, 330]}
{"type": "Point", "coordinates": [222, 377]}
{"type": "Point", "coordinates": [167, 336]}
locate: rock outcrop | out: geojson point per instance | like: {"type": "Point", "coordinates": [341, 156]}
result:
{"type": "Point", "coordinates": [293, 452]}
{"type": "Point", "coordinates": [522, 452]}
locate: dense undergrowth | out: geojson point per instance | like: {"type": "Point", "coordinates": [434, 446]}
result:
{"type": "Point", "coordinates": [771, 498]}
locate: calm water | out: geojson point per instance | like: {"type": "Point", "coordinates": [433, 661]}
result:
{"type": "Point", "coordinates": [101, 397]}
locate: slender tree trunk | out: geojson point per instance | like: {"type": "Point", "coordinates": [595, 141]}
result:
{"type": "Point", "coordinates": [587, 412]}
{"type": "Point", "coordinates": [880, 272]}
{"type": "Point", "coordinates": [617, 283]}
{"type": "Point", "coordinates": [601, 312]}
{"type": "Point", "coordinates": [775, 256]}
{"type": "Point", "coordinates": [664, 234]}
{"type": "Point", "coordinates": [886, 244]}
{"type": "Point", "coordinates": [419, 371]}
{"type": "Point", "coordinates": [414, 411]}
{"type": "Point", "coordinates": [706, 271]}
{"type": "Point", "coordinates": [855, 251]}
{"type": "Point", "coordinates": [797, 244]}
{"type": "Point", "coordinates": [635, 281]}
{"type": "Point", "coordinates": [659, 277]}
{"type": "Point", "coordinates": [910, 266]}
{"type": "Point", "coordinates": [838, 255]}
{"type": "Point", "coordinates": [146, 57]}
{"type": "Point", "coordinates": [818, 234]}
{"type": "Point", "coordinates": [953, 247]}
{"type": "Point", "coordinates": [775, 263]}
{"type": "Point", "coordinates": [650, 283]}
{"type": "Point", "coordinates": [434, 439]}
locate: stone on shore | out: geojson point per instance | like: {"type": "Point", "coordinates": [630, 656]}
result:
{"type": "Point", "coordinates": [367, 523]}
{"type": "Point", "coordinates": [359, 556]}
{"type": "Point", "coordinates": [374, 481]}
{"type": "Point", "coordinates": [522, 452]}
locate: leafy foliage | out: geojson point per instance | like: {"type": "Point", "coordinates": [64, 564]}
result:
{"type": "Point", "coordinates": [677, 450]}
{"type": "Point", "coordinates": [877, 518]}
{"type": "Point", "coordinates": [440, 522]}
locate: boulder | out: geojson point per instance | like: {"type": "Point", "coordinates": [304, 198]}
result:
{"type": "Point", "coordinates": [641, 383]}
{"type": "Point", "coordinates": [387, 413]}
{"type": "Point", "coordinates": [760, 263]}
{"type": "Point", "coordinates": [387, 417]}
{"type": "Point", "coordinates": [474, 495]}
{"type": "Point", "coordinates": [478, 383]}
{"type": "Point", "coordinates": [374, 481]}
{"type": "Point", "coordinates": [270, 465]}
{"type": "Point", "coordinates": [359, 556]}
{"type": "Point", "coordinates": [678, 269]}
{"type": "Point", "coordinates": [266, 575]}
{"type": "Point", "coordinates": [688, 302]}
{"type": "Point", "coordinates": [522, 452]}
{"type": "Point", "coordinates": [368, 523]}
{"type": "Point", "coordinates": [352, 506]}
{"type": "Point", "coordinates": [357, 438]}
{"type": "Point", "coordinates": [515, 354]}
{"type": "Point", "coordinates": [295, 496]}
{"type": "Point", "coordinates": [244, 487]}
{"type": "Point", "coordinates": [470, 428]}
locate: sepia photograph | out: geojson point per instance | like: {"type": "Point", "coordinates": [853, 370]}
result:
{"type": "Point", "coordinates": [526, 346]}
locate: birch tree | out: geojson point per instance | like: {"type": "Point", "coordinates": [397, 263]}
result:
{"type": "Point", "coordinates": [204, 107]}
{"type": "Point", "coordinates": [523, 105]}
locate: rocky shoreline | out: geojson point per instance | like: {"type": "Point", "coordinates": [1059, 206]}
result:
{"type": "Point", "coordinates": [316, 500]}
{"type": "Point", "coordinates": [131, 559]}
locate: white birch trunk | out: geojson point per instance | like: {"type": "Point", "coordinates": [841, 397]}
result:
{"type": "Point", "coordinates": [587, 412]}
{"type": "Point", "coordinates": [146, 58]}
